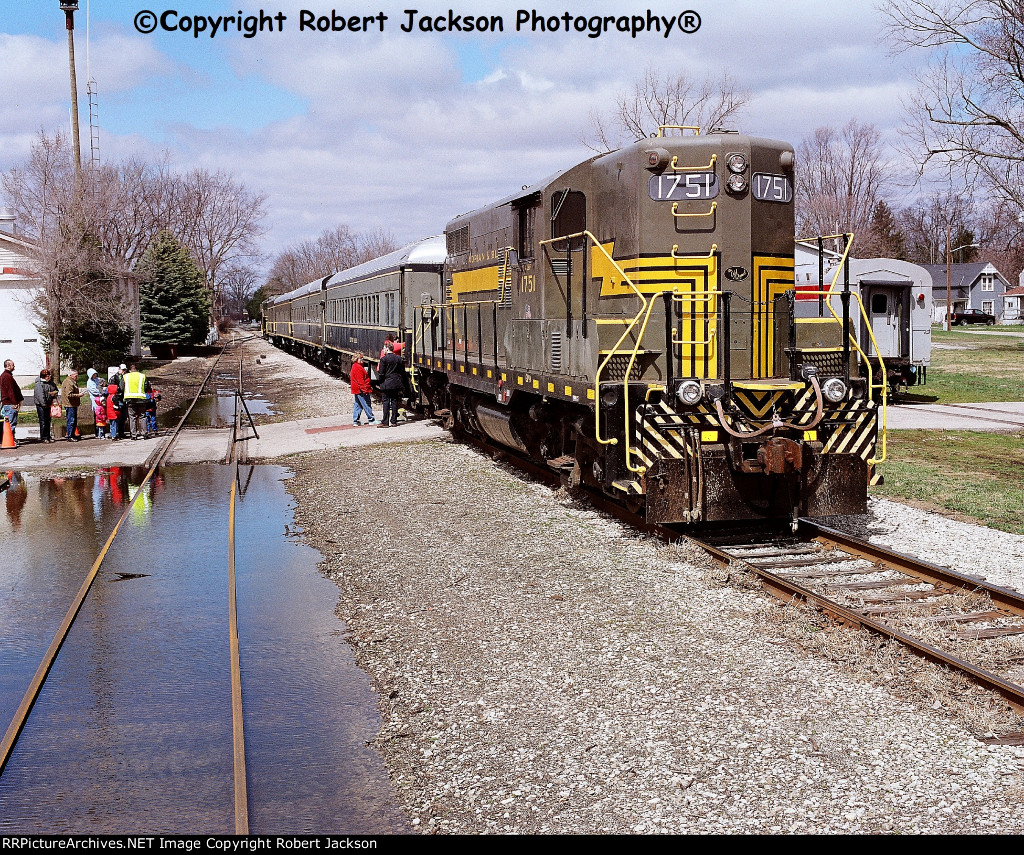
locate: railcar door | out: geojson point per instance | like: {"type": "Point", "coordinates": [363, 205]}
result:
{"type": "Point", "coordinates": [885, 314]}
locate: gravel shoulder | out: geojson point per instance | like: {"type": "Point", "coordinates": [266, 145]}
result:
{"type": "Point", "coordinates": [541, 668]}
{"type": "Point", "coordinates": [295, 389]}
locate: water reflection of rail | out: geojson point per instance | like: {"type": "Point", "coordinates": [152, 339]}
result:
{"type": "Point", "coordinates": [17, 724]}
{"type": "Point", "coordinates": [925, 607]}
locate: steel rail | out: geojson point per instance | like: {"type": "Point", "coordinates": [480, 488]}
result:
{"type": "Point", "coordinates": [1006, 598]}
{"type": "Point", "coordinates": [787, 589]}
{"type": "Point", "coordinates": [32, 692]}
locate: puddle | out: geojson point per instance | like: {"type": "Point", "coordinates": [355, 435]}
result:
{"type": "Point", "coordinates": [214, 410]}
{"type": "Point", "coordinates": [132, 731]}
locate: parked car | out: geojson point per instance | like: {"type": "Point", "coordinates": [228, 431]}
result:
{"type": "Point", "coordinates": [973, 316]}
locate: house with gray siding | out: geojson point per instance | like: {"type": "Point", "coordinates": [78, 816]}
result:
{"type": "Point", "coordinates": [978, 285]}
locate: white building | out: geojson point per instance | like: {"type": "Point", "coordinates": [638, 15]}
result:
{"type": "Point", "coordinates": [19, 338]}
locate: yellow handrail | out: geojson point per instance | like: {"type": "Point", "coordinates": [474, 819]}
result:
{"type": "Point", "coordinates": [675, 211]}
{"type": "Point", "coordinates": [881, 363]}
{"type": "Point", "coordinates": [625, 382]}
{"type": "Point", "coordinates": [831, 292]}
{"type": "Point", "coordinates": [676, 168]}
{"type": "Point", "coordinates": [709, 340]}
{"type": "Point", "coordinates": [694, 128]}
{"type": "Point", "coordinates": [871, 333]}
{"type": "Point", "coordinates": [675, 247]}
{"type": "Point", "coordinates": [614, 351]}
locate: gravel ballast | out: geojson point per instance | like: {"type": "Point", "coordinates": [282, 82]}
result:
{"type": "Point", "coordinates": [542, 668]}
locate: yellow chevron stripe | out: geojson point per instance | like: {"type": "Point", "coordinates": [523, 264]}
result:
{"type": "Point", "coordinates": [772, 276]}
{"type": "Point", "coordinates": [758, 409]}
{"type": "Point", "coordinates": [665, 444]}
{"type": "Point", "coordinates": [682, 443]}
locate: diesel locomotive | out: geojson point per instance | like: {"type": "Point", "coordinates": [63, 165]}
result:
{"type": "Point", "coordinates": [630, 323]}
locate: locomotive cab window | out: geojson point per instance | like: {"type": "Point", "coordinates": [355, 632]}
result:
{"type": "Point", "coordinates": [526, 230]}
{"type": "Point", "coordinates": [568, 213]}
{"type": "Point", "coordinates": [879, 304]}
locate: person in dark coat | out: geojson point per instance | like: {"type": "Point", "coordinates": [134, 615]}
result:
{"type": "Point", "coordinates": [393, 382]}
{"type": "Point", "coordinates": [44, 394]}
{"type": "Point", "coordinates": [10, 394]}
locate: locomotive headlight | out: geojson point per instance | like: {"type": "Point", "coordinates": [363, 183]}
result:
{"type": "Point", "coordinates": [737, 183]}
{"type": "Point", "coordinates": [834, 390]}
{"type": "Point", "coordinates": [689, 392]}
{"type": "Point", "coordinates": [737, 163]}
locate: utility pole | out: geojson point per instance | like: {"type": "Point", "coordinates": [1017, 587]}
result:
{"type": "Point", "coordinates": [949, 277]}
{"type": "Point", "coordinates": [949, 266]}
{"type": "Point", "coordinates": [69, 7]}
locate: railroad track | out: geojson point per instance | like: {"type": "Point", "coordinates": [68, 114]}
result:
{"type": "Point", "coordinates": [236, 450]}
{"type": "Point", "coordinates": [960, 621]}
{"type": "Point", "coordinates": [953, 619]}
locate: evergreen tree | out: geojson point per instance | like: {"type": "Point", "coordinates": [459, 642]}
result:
{"type": "Point", "coordinates": [255, 305]}
{"type": "Point", "coordinates": [172, 294]}
{"type": "Point", "coordinates": [885, 238]}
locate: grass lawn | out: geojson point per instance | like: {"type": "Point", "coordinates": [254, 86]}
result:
{"type": "Point", "coordinates": [969, 367]}
{"type": "Point", "coordinates": [973, 474]}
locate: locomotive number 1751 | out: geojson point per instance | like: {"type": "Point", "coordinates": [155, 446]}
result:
{"type": "Point", "coordinates": [675, 187]}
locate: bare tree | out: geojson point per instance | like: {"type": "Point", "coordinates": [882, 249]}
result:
{"type": "Point", "coordinates": [1000, 233]}
{"type": "Point", "coordinates": [925, 226]}
{"type": "Point", "coordinates": [336, 249]}
{"type": "Point", "coordinates": [240, 283]}
{"type": "Point", "coordinates": [840, 179]}
{"type": "Point", "coordinates": [220, 221]}
{"type": "Point", "coordinates": [967, 115]}
{"type": "Point", "coordinates": [656, 100]}
{"type": "Point", "coordinates": [78, 279]}
{"type": "Point", "coordinates": [89, 242]}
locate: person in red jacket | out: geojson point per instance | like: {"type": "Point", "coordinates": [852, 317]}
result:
{"type": "Point", "coordinates": [113, 405]}
{"type": "Point", "coordinates": [360, 380]}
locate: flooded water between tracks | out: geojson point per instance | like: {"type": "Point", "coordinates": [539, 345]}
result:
{"type": "Point", "coordinates": [132, 730]}
{"type": "Point", "coordinates": [216, 408]}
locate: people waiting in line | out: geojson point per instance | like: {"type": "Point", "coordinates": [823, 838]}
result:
{"type": "Point", "coordinates": [71, 397]}
{"type": "Point", "coordinates": [394, 383]}
{"type": "Point", "coordinates": [10, 396]}
{"type": "Point", "coordinates": [45, 397]}
{"type": "Point", "coordinates": [360, 384]}
{"type": "Point", "coordinates": [134, 387]}
{"type": "Point", "coordinates": [97, 390]}
{"type": "Point", "coordinates": [152, 398]}
{"type": "Point", "coordinates": [123, 411]}
{"type": "Point", "coordinates": [114, 405]}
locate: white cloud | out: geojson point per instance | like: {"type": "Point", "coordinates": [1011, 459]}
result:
{"type": "Point", "coordinates": [405, 131]}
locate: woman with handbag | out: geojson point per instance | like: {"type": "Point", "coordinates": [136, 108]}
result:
{"type": "Point", "coordinates": [47, 408]}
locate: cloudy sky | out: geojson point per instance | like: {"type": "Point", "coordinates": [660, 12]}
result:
{"type": "Point", "coordinates": [403, 130]}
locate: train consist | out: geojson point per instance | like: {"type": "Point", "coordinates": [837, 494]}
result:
{"type": "Point", "coordinates": [631, 323]}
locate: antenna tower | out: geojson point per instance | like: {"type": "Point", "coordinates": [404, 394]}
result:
{"type": "Point", "coordinates": [94, 125]}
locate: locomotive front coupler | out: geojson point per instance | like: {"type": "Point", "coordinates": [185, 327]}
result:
{"type": "Point", "coordinates": [767, 455]}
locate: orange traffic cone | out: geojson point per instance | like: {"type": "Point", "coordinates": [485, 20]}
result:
{"type": "Point", "coordinates": [8, 436]}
